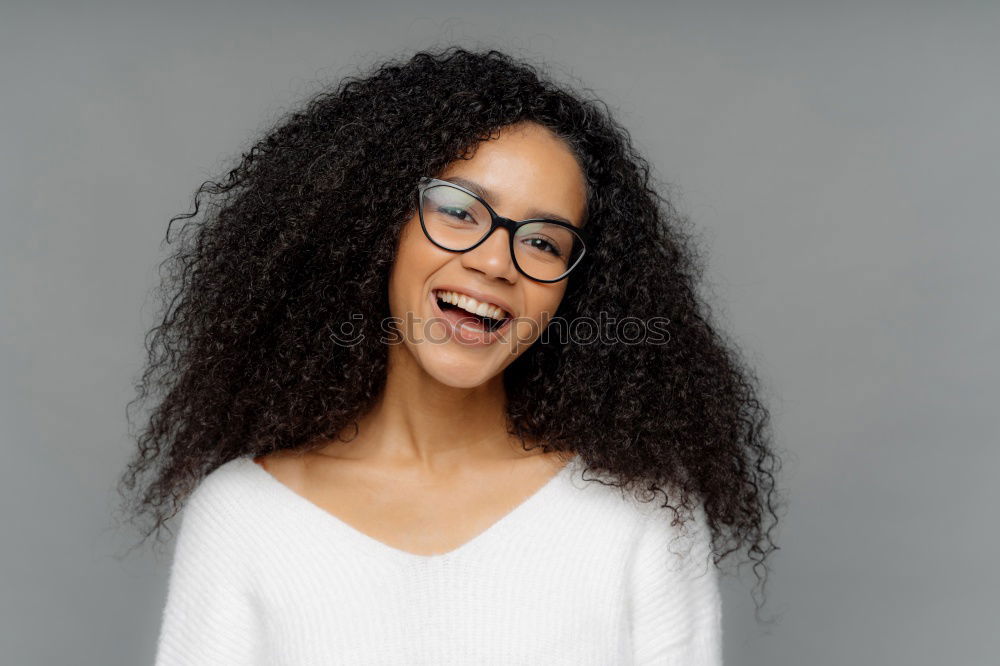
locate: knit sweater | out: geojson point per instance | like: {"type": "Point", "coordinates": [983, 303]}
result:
{"type": "Point", "coordinates": [579, 573]}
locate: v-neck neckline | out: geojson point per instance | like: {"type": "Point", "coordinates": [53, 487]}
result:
{"type": "Point", "coordinates": [280, 492]}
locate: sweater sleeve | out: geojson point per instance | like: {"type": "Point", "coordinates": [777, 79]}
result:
{"type": "Point", "coordinates": [676, 609]}
{"type": "Point", "coordinates": [209, 616]}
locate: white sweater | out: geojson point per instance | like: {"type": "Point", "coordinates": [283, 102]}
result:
{"type": "Point", "coordinates": [579, 573]}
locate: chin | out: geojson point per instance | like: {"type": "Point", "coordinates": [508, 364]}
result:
{"type": "Point", "coordinates": [455, 371]}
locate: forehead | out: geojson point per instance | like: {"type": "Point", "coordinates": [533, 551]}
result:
{"type": "Point", "coordinates": [524, 171]}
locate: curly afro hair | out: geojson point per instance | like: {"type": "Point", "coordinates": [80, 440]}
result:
{"type": "Point", "coordinates": [302, 232]}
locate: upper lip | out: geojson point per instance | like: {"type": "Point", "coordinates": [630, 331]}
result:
{"type": "Point", "coordinates": [480, 296]}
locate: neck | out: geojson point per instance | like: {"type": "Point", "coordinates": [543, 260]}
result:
{"type": "Point", "coordinates": [420, 422]}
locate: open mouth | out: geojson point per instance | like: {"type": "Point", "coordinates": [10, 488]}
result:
{"type": "Point", "coordinates": [466, 311]}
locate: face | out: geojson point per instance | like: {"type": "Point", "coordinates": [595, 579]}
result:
{"type": "Point", "coordinates": [527, 172]}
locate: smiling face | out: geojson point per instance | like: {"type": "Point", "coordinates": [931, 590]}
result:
{"type": "Point", "coordinates": [525, 173]}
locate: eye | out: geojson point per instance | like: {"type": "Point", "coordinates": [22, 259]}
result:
{"type": "Point", "coordinates": [544, 245]}
{"type": "Point", "coordinates": [457, 213]}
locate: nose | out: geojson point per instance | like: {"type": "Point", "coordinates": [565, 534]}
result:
{"type": "Point", "coordinates": [492, 258]}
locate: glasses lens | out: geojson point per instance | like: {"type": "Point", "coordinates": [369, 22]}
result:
{"type": "Point", "coordinates": [547, 251]}
{"type": "Point", "coordinates": [457, 220]}
{"type": "Point", "coordinates": [453, 219]}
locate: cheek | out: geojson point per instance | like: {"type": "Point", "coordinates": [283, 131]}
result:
{"type": "Point", "coordinates": [406, 246]}
{"type": "Point", "coordinates": [413, 262]}
{"type": "Point", "coordinates": [541, 303]}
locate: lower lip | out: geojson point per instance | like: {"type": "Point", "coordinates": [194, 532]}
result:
{"type": "Point", "coordinates": [470, 336]}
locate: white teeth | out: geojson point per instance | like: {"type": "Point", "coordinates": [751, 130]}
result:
{"type": "Point", "coordinates": [471, 305]}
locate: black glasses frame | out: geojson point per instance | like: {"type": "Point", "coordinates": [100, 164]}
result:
{"type": "Point", "coordinates": [498, 221]}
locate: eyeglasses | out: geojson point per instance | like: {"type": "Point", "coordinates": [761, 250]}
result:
{"type": "Point", "coordinates": [457, 220]}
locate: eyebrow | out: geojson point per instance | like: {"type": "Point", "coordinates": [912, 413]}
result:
{"type": "Point", "coordinates": [489, 195]}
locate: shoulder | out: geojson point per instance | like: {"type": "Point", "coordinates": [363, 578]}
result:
{"type": "Point", "coordinates": [289, 467]}
{"type": "Point", "coordinates": [674, 600]}
{"type": "Point", "coordinates": [222, 503]}
{"type": "Point", "coordinates": [211, 607]}
{"type": "Point", "coordinates": [234, 477]}
{"type": "Point", "coordinates": [657, 525]}
{"type": "Point", "coordinates": [676, 538]}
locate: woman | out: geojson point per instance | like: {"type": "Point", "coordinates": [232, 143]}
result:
{"type": "Point", "coordinates": [438, 390]}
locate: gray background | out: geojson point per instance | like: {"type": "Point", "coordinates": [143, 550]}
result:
{"type": "Point", "coordinates": [839, 158]}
